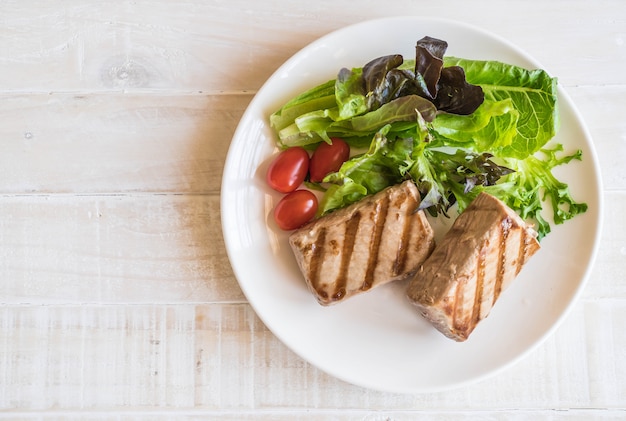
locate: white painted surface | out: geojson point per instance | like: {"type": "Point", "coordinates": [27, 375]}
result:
{"type": "Point", "coordinates": [117, 300]}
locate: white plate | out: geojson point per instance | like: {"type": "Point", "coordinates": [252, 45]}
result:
{"type": "Point", "coordinates": [377, 340]}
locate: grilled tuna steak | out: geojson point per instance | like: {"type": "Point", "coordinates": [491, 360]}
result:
{"type": "Point", "coordinates": [473, 263]}
{"type": "Point", "coordinates": [381, 238]}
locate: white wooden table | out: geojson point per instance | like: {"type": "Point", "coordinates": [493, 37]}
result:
{"type": "Point", "coordinates": [117, 300]}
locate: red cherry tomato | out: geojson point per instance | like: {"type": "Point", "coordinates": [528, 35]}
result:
{"type": "Point", "coordinates": [328, 158]}
{"type": "Point", "coordinates": [288, 170]}
{"type": "Point", "coordinates": [295, 209]}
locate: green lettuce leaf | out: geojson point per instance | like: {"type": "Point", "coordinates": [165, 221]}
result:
{"type": "Point", "coordinates": [350, 93]}
{"type": "Point", "coordinates": [320, 97]}
{"type": "Point", "coordinates": [533, 183]}
{"type": "Point", "coordinates": [406, 108]}
{"type": "Point", "coordinates": [492, 127]}
{"type": "Point", "coordinates": [533, 94]}
{"type": "Point", "coordinates": [384, 163]}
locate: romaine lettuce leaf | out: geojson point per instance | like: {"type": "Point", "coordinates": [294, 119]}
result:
{"type": "Point", "coordinates": [350, 93]}
{"type": "Point", "coordinates": [317, 98]}
{"type": "Point", "coordinates": [406, 108]}
{"type": "Point", "coordinates": [533, 94]}
{"type": "Point", "coordinates": [492, 127]}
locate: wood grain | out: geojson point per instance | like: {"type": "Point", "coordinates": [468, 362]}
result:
{"type": "Point", "coordinates": [117, 300]}
{"type": "Point", "coordinates": [212, 46]}
{"type": "Point", "coordinates": [221, 357]}
{"type": "Point", "coordinates": [108, 143]}
{"type": "Point", "coordinates": [117, 248]}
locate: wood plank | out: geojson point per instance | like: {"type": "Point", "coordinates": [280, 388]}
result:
{"type": "Point", "coordinates": [108, 143]}
{"type": "Point", "coordinates": [209, 46]}
{"type": "Point", "coordinates": [118, 248]}
{"type": "Point", "coordinates": [607, 275]}
{"type": "Point", "coordinates": [313, 414]}
{"type": "Point", "coordinates": [162, 249]}
{"type": "Point", "coordinates": [222, 358]}
{"type": "Point", "coordinates": [607, 128]}
{"type": "Point", "coordinates": [116, 143]}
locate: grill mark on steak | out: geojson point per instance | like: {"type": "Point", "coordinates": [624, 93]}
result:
{"type": "Point", "coordinates": [523, 251]}
{"type": "Point", "coordinates": [403, 247]}
{"type": "Point", "coordinates": [480, 282]}
{"type": "Point", "coordinates": [505, 228]}
{"type": "Point", "coordinates": [317, 257]}
{"type": "Point", "coordinates": [457, 309]}
{"type": "Point", "coordinates": [380, 213]}
{"type": "Point", "coordinates": [349, 240]}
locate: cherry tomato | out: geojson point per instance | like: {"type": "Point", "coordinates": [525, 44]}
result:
{"type": "Point", "coordinates": [295, 209]}
{"type": "Point", "coordinates": [328, 158]}
{"type": "Point", "coordinates": [288, 170]}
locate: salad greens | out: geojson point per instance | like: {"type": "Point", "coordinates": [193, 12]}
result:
{"type": "Point", "coordinates": [455, 126]}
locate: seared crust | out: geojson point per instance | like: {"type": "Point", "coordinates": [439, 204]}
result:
{"type": "Point", "coordinates": [476, 260]}
{"type": "Point", "coordinates": [380, 239]}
